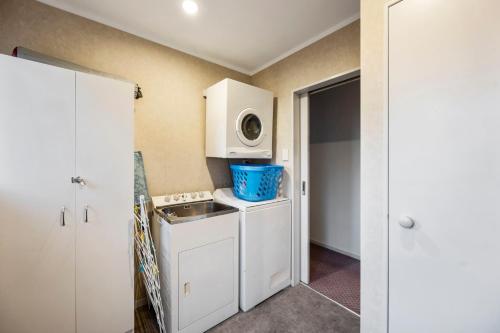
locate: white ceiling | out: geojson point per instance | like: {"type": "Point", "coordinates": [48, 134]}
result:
{"type": "Point", "coordinates": [245, 35]}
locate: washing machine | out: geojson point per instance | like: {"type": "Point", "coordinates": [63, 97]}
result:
{"type": "Point", "coordinates": [265, 246]}
{"type": "Point", "coordinates": [239, 121]}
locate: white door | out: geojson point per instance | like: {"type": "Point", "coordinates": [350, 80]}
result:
{"type": "Point", "coordinates": [304, 175]}
{"type": "Point", "coordinates": [444, 166]}
{"type": "Point", "coordinates": [104, 246]}
{"type": "Point", "coordinates": [206, 280]}
{"type": "Point", "coordinates": [37, 258]}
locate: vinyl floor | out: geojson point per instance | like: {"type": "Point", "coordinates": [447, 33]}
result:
{"type": "Point", "coordinates": [296, 310]}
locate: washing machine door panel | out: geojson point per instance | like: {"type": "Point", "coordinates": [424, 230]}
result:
{"type": "Point", "coordinates": [250, 127]}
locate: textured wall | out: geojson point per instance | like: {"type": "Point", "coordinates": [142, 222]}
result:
{"type": "Point", "coordinates": [373, 175]}
{"type": "Point", "coordinates": [332, 55]}
{"type": "Point", "coordinates": [336, 53]}
{"type": "Point", "coordinates": [169, 120]}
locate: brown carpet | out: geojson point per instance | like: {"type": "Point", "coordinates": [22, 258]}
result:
{"type": "Point", "coordinates": [295, 310]}
{"type": "Point", "coordinates": [336, 276]}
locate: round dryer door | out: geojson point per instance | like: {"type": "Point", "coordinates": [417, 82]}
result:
{"type": "Point", "coordinates": [249, 127]}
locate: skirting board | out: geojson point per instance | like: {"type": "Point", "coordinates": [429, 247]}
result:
{"type": "Point", "coordinates": [329, 247]}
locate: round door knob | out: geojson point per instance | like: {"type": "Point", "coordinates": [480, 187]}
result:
{"type": "Point", "coordinates": [406, 222]}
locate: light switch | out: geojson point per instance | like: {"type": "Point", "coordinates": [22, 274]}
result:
{"type": "Point", "coordinates": [284, 155]}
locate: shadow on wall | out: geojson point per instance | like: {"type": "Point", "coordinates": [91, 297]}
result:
{"type": "Point", "coordinates": [215, 166]}
{"type": "Point", "coordinates": [275, 128]}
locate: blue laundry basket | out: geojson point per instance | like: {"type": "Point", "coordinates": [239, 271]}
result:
{"type": "Point", "coordinates": [256, 182]}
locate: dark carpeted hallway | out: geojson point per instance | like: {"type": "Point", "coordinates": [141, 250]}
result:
{"type": "Point", "coordinates": [336, 276]}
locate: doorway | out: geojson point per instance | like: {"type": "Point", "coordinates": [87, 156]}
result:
{"type": "Point", "coordinates": [330, 190]}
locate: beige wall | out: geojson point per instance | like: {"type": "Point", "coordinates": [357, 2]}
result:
{"type": "Point", "coordinates": [169, 120]}
{"type": "Point", "coordinates": [332, 55]}
{"type": "Point", "coordinates": [336, 53]}
{"type": "Point", "coordinates": [373, 176]}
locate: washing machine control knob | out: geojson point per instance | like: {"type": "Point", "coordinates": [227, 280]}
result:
{"type": "Point", "coordinates": [167, 198]}
{"type": "Point", "coordinates": [194, 195]}
{"type": "Point", "coordinates": [201, 194]}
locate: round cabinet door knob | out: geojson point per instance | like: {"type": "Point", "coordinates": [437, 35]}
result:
{"type": "Point", "coordinates": [406, 222]}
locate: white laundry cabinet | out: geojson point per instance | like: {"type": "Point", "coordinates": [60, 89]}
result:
{"type": "Point", "coordinates": [65, 248]}
{"type": "Point", "coordinates": [198, 263]}
{"type": "Point", "coordinates": [444, 166]}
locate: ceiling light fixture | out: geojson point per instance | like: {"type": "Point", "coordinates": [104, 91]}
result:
{"type": "Point", "coordinates": [190, 7]}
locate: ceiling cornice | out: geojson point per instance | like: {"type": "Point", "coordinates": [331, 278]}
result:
{"type": "Point", "coordinates": [68, 7]}
{"type": "Point", "coordinates": [305, 44]}
{"type": "Point", "coordinates": [62, 5]}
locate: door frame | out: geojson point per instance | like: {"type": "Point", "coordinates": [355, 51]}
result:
{"type": "Point", "coordinates": [299, 237]}
{"type": "Point", "coordinates": [385, 160]}
{"type": "Point", "coordinates": [305, 185]}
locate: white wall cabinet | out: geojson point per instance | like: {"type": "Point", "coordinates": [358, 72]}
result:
{"type": "Point", "coordinates": [65, 249]}
{"type": "Point", "coordinates": [444, 162]}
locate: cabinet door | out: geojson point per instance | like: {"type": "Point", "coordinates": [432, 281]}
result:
{"type": "Point", "coordinates": [206, 280]}
{"type": "Point", "coordinates": [104, 245]}
{"type": "Point", "coordinates": [444, 166]}
{"type": "Point", "coordinates": [37, 124]}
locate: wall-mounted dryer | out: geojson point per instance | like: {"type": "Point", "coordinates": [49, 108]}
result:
{"type": "Point", "coordinates": [239, 121]}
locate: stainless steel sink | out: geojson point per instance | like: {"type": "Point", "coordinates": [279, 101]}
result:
{"type": "Point", "coordinates": [193, 211]}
